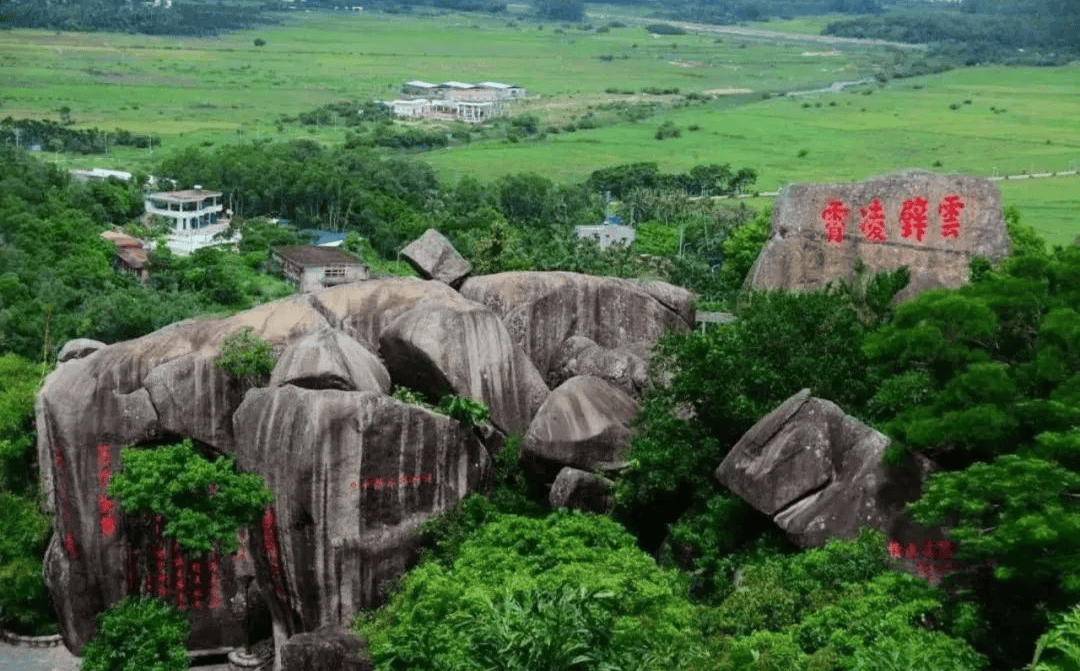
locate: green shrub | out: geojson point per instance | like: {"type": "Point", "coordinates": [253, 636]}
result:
{"type": "Point", "coordinates": [465, 410]}
{"type": "Point", "coordinates": [246, 357]}
{"type": "Point", "coordinates": [138, 634]}
{"type": "Point", "coordinates": [567, 591]}
{"type": "Point", "coordinates": [202, 502]}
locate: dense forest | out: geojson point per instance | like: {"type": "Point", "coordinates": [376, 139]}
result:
{"type": "Point", "coordinates": [175, 17]}
{"type": "Point", "coordinates": [1029, 32]}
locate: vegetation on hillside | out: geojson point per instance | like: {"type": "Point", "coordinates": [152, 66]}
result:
{"type": "Point", "coordinates": [182, 17]}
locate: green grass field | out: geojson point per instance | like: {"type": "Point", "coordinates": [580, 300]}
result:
{"type": "Point", "coordinates": [222, 90]}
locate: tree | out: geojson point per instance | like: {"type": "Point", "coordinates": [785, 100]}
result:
{"type": "Point", "coordinates": [201, 502]}
{"type": "Point", "coordinates": [138, 634]}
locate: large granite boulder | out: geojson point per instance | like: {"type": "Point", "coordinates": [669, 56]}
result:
{"type": "Point", "coordinates": [353, 474]}
{"type": "Point", "coordinates": [364, 309]}
{"type": "Point", "coordinates": [584, 423]}
{"type": "Point", "coordinates": [329, 359]}
{"type": "Point", "coordinates": [331, 648]}
{"type": "Point", "coordinates": [580, 490]}
{"type": "Point", "coordinates": [457, 346]}
{"type": "Point", "coordinates": [933, 224]}
{"type": "Point", "coordinates": [435, 258]}
{"type": "Point", "coordinates": [541, 310]}
{"type": "Point", "coordinates": [580, 356]}
{"type": "Point", "coordinates": [78, 348]}
{"type": "Point", "coordinates": [817, 472]}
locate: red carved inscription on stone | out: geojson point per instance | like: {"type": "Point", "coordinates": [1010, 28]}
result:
{"type": "Point", "coordinates": [834, 217]}
{"type": "Point", "coordinates": [949, 212]}
{"type": "Point", "coordinates": [270, 544]}
{"type": "Point", "coordinates": [913, 218]}
{"type": "Point", "coordinates": [872, 221]}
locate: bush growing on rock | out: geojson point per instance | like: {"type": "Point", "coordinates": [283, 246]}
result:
{"type": "Point", "coordinates": [202, 502]}
{"type": "Point", "coordinates": [246, 357]}
{"type": "Point", "coordinates": [138, 634]}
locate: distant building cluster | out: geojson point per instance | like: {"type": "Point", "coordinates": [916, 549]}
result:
{"type": "Point", "coordinates": [455, 101]}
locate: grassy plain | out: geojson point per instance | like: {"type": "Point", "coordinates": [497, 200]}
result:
{"type": "Point", "coordinates": [221, 90]}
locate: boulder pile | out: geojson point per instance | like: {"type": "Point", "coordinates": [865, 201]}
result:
{"type": "Point", "coordinates": [353, 470]}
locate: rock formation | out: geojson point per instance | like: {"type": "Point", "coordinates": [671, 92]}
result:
{"type": "Point", "coordinates": [930, 223]}
{"type": "Point", "coordinates": [584, 423]}
{"type": "Point", "coordinates": [581, 490]}
{"type": "Point", "coordinates": [818, 472]}
{"type": "Point", "coordinates": [330, 648]}
{"type": "Point", "coordinates": [352, 470]}
{"type": "Point", "coordinates": [619, 366]}
{"type": "Point", "coordinates": [353, 473]}
{"type": "Point", "coordinates": [78, 348]}
{"type": "Point", "coordinates": [541, 310]}
{"type": "Point", "coordinates": [330, 359]}
{"type": "Point", "coordinates": [435, 258]}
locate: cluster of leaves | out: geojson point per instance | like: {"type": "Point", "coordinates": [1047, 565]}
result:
{"type": "Point", "coordinates": [246, 357]}
{"type": "Point", "coordinates": [566, 591]}
{"type": "Point", "coordinates": [202, 502]}
{"type": "Point", "coordinates": [138, 634]}
{"type": "Point", "coordinates": [837, 607]}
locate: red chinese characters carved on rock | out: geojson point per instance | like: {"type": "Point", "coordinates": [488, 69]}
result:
{"type": "Point", "coordinates": [270, 544]}
{"type": "Point", "coordinates": [834, 217]}
{"type": "Point", "coordinates": [872, 221]}
{"type": "Point", "coordinates": [65, 503]}
{"type": "Point", "coordinates": [107, 508]}
{"type": "Point", "coordinates": [913, 218]}
{"type": "Point", "coordinates": [939, 552]}
{"type": "Point", "coordinates": [399, 481]}
{"type": "Point", "coordinates": [949, 212]}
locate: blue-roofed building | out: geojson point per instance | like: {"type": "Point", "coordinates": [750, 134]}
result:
{"type": "Point", "coordinates": [325, 238]}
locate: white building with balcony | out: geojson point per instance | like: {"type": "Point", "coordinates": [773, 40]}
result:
{"type": "Point", "coordinates": [188, 211]}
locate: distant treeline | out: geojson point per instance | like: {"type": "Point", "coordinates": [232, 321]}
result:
{"type": "Point", "coordinates": [52, 136]}
{"type": "Point", "coordinates": [1035, 32]}
{"type": "Point", "coordinates": [179, 17]}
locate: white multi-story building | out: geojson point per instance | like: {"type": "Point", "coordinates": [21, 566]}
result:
{"type": "Point", "coordinates": [188, 210]}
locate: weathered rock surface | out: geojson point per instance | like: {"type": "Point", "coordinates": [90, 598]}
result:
{"type": "Point", "coordinates": [932, 224]}
{"type": "Point", "coordinates": [353, 474]}
{"type": "Point", "coordinates": [584, 423]}
{"type": "Point", "coordinates": [435, 258]}
{"type": "Point", "coordinates": [78, 348]}
{"type": "Point", "coordinates": [331, 648]}
{"type": "Point", "coordinates": [541, 310]}
{"type": "Point", "coordinates": [818, 472]}
{"type": "Point", "coordinates": [581, 490]}
{"type": "Point", "coordinates": [195, 399]}
{"type": "Point", "coordinates": [364, 309]}
{"type": "Point", "coordinates": [458, 346]}
{"type": "Point", "coordinates": [581, 356]}
{"type": "Point", "coordinates": [329, 359]}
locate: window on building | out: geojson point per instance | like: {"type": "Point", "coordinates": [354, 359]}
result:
{"type": "Point", "coordinates": [335, 271]}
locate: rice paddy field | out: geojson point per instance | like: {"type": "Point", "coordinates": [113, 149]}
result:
{"type": "Point", "coordinates": [220, 90]}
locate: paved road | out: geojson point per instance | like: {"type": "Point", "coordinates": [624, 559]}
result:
{"type": "Point", "coordinates": [14, 658]}
{"type": "Point", "coordinates": [758, 33]}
